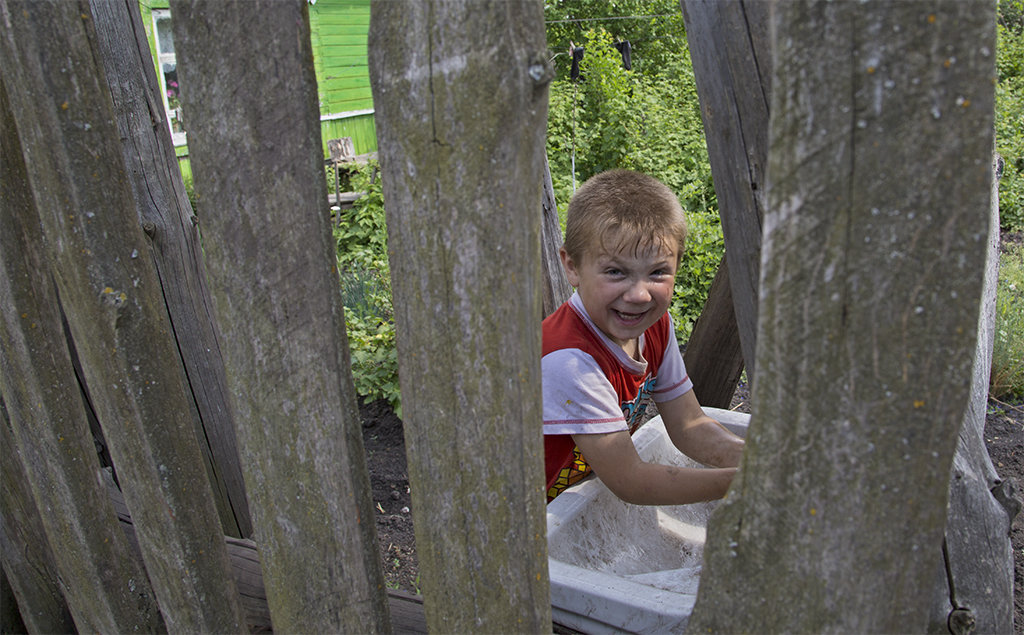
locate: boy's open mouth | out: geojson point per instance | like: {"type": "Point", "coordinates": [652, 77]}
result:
{"type": "Point", "coordinates": [630, 318]}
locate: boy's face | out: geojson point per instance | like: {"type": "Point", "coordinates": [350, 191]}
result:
{"type": "Point", "coordinates": [625, 293]}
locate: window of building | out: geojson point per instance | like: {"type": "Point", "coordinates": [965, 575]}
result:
{"type": "Point", "coordinates": [168, 76]}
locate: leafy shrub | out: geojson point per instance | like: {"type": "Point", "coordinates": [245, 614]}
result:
{"type": "Point", "coordinates": [361, 231]}
{"type": "Point", "coordinates": [705, 248]}
{"type": "Point", "coordinates": [1010, 113]}
{"type": "Point", "coordinates": [371, 341]}
{"type": "Point", "coordinates": [647, 119]}
{"type": "Point", "coordinates": [362, 250]}
{"type": "Point", "coordinates": [190, 190]}
{"type": "Point", "coordinates": [1007, 379]}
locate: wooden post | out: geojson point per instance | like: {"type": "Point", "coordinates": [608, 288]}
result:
{"type": "Point", "coordinates": [28, 561]}
{"type": "Point", "coordinates": [555, 286]}
{"type": "Point", "coordinates": [874, 249]}
{"type": "Point", "coordinates": [732, 66]}
{"type": "Point", "coordinates": [248, 87]}
{"type": "Point", "coordinates": [93, 246]}
{"type": "Point", "coordinates": [44, 422]}
{"type": "Point", "coordinates": [460, 91]}
{"type": "Point", "coordinates": [976, 592]}
{"type": "Point", "coordinates": [173, 235]}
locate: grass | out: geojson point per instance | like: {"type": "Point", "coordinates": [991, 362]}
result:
{"type": "Point", "coordinates": [1007, 380]}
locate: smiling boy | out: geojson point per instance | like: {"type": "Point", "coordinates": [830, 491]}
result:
{"type": "Point", "coordinates": [612, 344]}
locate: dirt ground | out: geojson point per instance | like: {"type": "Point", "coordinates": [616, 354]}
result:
{"type": "Point", "coordinates": [385, 452]}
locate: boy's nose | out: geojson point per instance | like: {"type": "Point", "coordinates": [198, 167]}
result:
{"type": "Point", "coordinates": [637, 293]}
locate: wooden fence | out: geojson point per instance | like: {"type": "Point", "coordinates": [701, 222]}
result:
{"type": "Point", "coordinates": [169, 404]}
{"type": "Point", "coordinates": [221, 438]}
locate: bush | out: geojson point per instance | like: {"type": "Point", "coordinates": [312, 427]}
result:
{"type": "Point", "coordinates": [1010, 113]}
{"type": "Point", "coordinates": [647, 119]}
{"type": "Point", "coordinates": [704, 250]}
{"type": "Point", "coordinates": [362, 251]}
{"type": "Point", "coordinates": [1007, 380]}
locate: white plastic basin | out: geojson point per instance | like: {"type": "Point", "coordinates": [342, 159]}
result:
{"type": "Point", "coordinates": [617, 567]}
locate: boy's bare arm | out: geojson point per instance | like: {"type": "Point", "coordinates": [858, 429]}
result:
{"type": "Point", "coordinates": [614, 459]}
{"type": "Point", "coordinates": [697, 435]}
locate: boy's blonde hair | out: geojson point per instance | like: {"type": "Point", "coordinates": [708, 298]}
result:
{"type": "Point", "coordinates": [622, 209]}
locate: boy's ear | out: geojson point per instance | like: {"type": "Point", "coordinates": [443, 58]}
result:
{"type": "Point", "coordinates": [571, 272]}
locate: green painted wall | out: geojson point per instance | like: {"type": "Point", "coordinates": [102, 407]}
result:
{"type": "Point", "coordinates": [339, 29]}
{"type": "Point", "coordinates": [338, 37]}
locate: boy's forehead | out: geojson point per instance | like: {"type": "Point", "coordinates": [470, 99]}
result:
{"type": "Point", "coordinates": [651, 250]}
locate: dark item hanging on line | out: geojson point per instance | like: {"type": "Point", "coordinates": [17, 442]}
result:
{"type": "Point", "coordinates": [626, 49]}
{"type": "Point", "coordinates": [577, 55]}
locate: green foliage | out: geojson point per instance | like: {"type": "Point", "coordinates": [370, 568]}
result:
{"type": "Point", "coordinates": [704, 251]}
{"type": "Point", "coordinates": [1007, 379]}
{"type": "Point", "coordinates": [1010, 113]}
{"type": "Point", "coordinates": [361, 232]}
{"type": "Point", "coordinates": [648, 119]}
{"type": "Point", "coordinates": [362, 250]}
{"type": "Point", "coordinates": [1011, 15]}
{"type": "Point", "coordinates": [190, 190]}
{"type": "Point", "coordinates": [371, 342]}
{"type": "Point", "coordinates": [654, 29]}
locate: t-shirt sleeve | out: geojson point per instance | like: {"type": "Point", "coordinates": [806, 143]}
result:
{"type": "Point", "coordinates": [578, 398]}
{"type": "Point", "coordinates": [673, 380]}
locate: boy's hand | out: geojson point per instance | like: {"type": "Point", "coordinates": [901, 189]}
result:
{"type": "Point", "coordinates": [697, 435]}
{"type": "Point", "coordinates": [614, 459]}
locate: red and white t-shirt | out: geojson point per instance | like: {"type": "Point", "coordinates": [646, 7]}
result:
{"type": "Point", "coordinates": [591, 386]}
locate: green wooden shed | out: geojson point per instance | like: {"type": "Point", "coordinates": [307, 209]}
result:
{"type": "Point", "coordinates": [338, 30]}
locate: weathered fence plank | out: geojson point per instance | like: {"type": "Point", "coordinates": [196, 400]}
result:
{"type": "Point", "coordinates": [254, 137]}
{"type": "Point", "coordinates": [28, 562]}
{"type": "Point", "coordinates": [874, 247]}
{"type": "Point", "coordinates": [976, 593]}
{"type": "Point", "coordinates": [460, 91]}
{"type": "Point", "coordinates": [167, 218]}
{"type": "Point", "coordinates": [92, 243]}
{"type": "Point", "coordinates": [732, 66]}
{"type": "Point", "coordinates": [46, 431]}
{"type": "Point", "coordinates": [555, 287]}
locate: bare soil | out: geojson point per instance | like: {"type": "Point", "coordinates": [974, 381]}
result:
{"type": "Point", "coordinates": [1004, 436]}
{"type": "Point", "coordinates": [384, 442]}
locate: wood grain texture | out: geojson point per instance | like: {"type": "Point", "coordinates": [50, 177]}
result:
{"type": "Point", "coordinates": [91, 240]}
{"type": "Point", "coordinates": [977, 556]}
{"type": "Point", "coordinates": [555, 286]}
{"type": "Point", "coordinates": [732, 66]}
{"type": "Point", "coordinates": [167, 218]}
{"type": "Point", "coordinates": [714, 356]}
{"type": "Point", "coordinates": [460, 121]}
{"type": "Point", "coordinates": [872, 268]}
{"type": "Point", "coordinates": [254, 138]}
{"type": "Point", "coordinates": [28, 562]}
